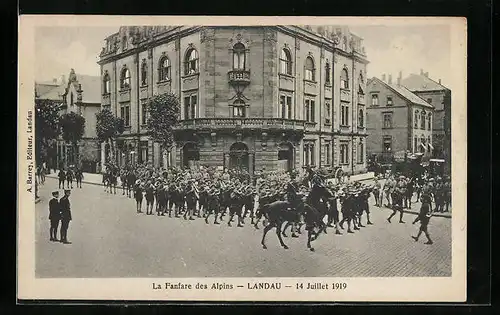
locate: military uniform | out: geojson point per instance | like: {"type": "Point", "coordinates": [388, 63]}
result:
{"type": "Point", "coordinates": [424, 218]}
{"type": "Point", "coordinates": [65, 217]}
{"type": "Point", "coordinates": [54, 216]}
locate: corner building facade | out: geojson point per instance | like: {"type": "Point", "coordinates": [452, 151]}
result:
{"type": "Point", "coordinates": [258, 98]}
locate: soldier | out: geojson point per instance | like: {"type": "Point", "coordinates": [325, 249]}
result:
{"type": "Point", "coordinates": [79, 177]}
{"type": "Point", "coordinates": [65, 216]}
{"type": "Point", "coordinates": [424, 217]}
{"type": "Point", "coordinates": [191, 196]}
{"type": "Point", "coordinates": [347, 211]}
{"type": "Point", "coordinates": [388, 188]}
{"type": "Point", "coordinates": [138, 195]}
{"type": "Point", "coordinates": [62, 178]}
{"type": "Point", "coordinates": [439, 195]}
{"type": "Point", "coordinates": [123, 181]}
{"type": "Point", "coordinates": [54, 215]}
{"type": "Point", "coordinates": [113, 179]}
{"type": "Point", "coordinates": [69, 178]}
{"type": "Point", "coordinates": [131, 179]}
{"type": "Point", "coordinates": [397, 200]}
{"type": "Point", "coordinates": [363, 202]}
{"type": "Point", "coordinates": [150, 197]}
{"type": "Point", "coordinates": [333, 215]}
{"type": "Point", "coordinates": [447, 193]}
{"type": "Point", "coordinates": [376, 192]}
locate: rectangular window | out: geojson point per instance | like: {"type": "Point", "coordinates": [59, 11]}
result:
{"type": "Point", "coordinates": [144, 113]}
{"type": "Point", "coordinates": [309, 110]}
{"type": "Point", "coordinates": [344, 115]}
{"type": "Point", "coordinates": [328, 112]}
{"type": "Point", "coordinates": [344, 153]}
{"type": "Point", "coordinates": [387, 120]}
{"type": "Point", "coordinates": [387, 144]}
{"type": "Point", "coordinates": [239, 111]}
{"type": "Point", "coordinates": [285, 108]}
{"type": "Point", "coordinates": [327, 154]}
{"type": "Point", "coordinates": [361, 152]}
{"type": "Point", "coordinates": [308, 154]}
{"type": "Point", "coordinates": [125, 114]}
{"type": "Point", "coordinates": [415, 120]}
{"type": "Point", "coordinates": [190, 103]}
{"type": "Point", "coordinates": [374, 99]}
{"type": "Point", "coordinates": [389, 101]}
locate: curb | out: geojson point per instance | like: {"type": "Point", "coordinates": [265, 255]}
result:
{"type": "Point", "coordinates": [435, 214]}
{"type": "Point", "coordinates": [83, 181]}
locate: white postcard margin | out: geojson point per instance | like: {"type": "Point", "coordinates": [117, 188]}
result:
{"type": "Point", "coordinates": [424, 289]}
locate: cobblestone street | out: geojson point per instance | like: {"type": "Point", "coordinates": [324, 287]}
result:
{"type": "Point", "coordinates": [109, 239]}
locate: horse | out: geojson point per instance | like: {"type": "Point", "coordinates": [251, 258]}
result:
{"type": "Point", "coordinates": [278, 212]}
{"type": "Point", "coordinates": [318, 198]}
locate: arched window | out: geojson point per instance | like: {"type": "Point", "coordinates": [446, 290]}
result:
{"type": "Point", "coordinates": [106, 83]}
{"type": "Point", "coordinates": [415, 119]}
{"type": "Point", "coordinates": [239, 56]}
{"type": "Point", "coordinates": [144, 73]}
{"type": "Point", "coordinates": [191, 62]}
{"type": "Point", "coordinates": [429, 119]}
{"type": "Point", "coordinates": [422, 120]}
{"type": "Point", "coordinates": [125, 79]}
{"type": "Point", "coordinates": [309, 73]}
{"type": "Point", "coordinates": [361, 118]}
{"type": "Point", "coordinates": [124, 42]}
{"type": "Point", "coordinates": [327, 72]}
{"type": "Point", "coordinates": [286, 61]}
{"type": "Point", "coordinates": [239, 109]}
{"type": "Point", "coordinates": [164, 69]}
{"type": "Point", "coordinates": [344, 79]}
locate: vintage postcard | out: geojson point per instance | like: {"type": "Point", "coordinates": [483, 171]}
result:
{"type": "Point", "coordinates": [209, 158]}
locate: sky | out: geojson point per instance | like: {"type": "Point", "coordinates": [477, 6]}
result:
{"type": "Point", "coordinates": [389, 49]}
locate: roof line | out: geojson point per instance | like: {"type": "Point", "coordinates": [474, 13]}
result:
{"type": "Point", "coordinates": [394, 90]}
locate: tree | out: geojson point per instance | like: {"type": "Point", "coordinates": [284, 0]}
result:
{"type": "Point", "coordinates": [108, 127]}
{"type": "Point", "coordinates": [46, 126]}
{"type": "Point", "coordinates": [73, 127]}
{"type": "Point", "coordinates": [164, 111]}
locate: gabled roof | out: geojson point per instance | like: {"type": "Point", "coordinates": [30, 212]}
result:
{"type": "Point", "coordinates": [42, 88]}
{"type": "Point", "coordinates": [91, 87]}
{"type": "Point", "coordinates": [419, 83]}
{"type": "Point", "coordinates": [405, 93]}
{"type": "Point", "coordinates": [55, 94]}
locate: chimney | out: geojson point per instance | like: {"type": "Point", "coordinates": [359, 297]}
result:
{"type": "Point", "coordinates": [400, 76]}
{"type": "Point", "coordinates": [426, 74]}
{"type": "Point", "coordinates": [439, 81]}
{"type": "Point", "coordinates": [390, 79]}
{"type": "Point", "coordinates": [54, 80]}
{"type": "Point", "coordinates": [421, 71]}
{"type": "Point", "coordinates": [383, 77]}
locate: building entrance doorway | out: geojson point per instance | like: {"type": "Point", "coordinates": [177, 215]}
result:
{"type": "Point", "coordinates": [190, 155]}
{"type": "Point", "coordinates": [285, 157]}
{"type": "Point", "coordinates": [239, 157]}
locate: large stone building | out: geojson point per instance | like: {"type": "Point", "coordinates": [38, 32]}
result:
{"type": "Point", "coordinates": [80, 94]}
{"type": "Point", "coordinates": [397, 120]}
{"type": "Point", "coordinates": [440, 97]}
{"type": "Point", "coordinates": [253, 97]}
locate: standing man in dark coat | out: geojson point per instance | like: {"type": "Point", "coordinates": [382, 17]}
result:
{"type": "Point", "coordinates": [65, 215]}
{"type": "Point", "coordinates": [54, 215]}
{"type": "Point", "coordinates": [62, 178]}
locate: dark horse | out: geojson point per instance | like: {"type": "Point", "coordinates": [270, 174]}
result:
{"type": "Point", "coordinates": [279, 211]}
{"type": "Point", "coordinates": [319, 198]}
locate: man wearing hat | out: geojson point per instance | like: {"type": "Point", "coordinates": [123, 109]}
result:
{"type": "Point", "coordinates": [376, 191]}
{"type": "Point", "coordinates": [54, 215]}
{"type": "Point", "coordinates": [65, 215]}
{"type": "Point", "coordinates": [424, 217]}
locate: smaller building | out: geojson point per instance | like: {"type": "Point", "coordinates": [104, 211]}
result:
{"type": "Point", "coordinates": [82, 95]}
{"type": "Point", "coordinates": [397, 120]}
{"type": "Point", "coordinates": [440, 97]}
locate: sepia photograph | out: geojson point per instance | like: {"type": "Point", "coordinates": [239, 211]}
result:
{"type": "Point", "coordinates": [173, 151]}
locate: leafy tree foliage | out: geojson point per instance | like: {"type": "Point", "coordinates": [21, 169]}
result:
{"type": "Point", "coordinates": [164, 111]}
{"type": "Point", "coordinates": [46, 126]}
{"type": "Point", "coordinates": [72, 126]}
{"type": "Point", "coordinates": [108, 126]}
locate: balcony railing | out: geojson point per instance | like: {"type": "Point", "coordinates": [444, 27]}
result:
{"type": "Point", "coordinates": [242, 123]}
{"type": "Point", "coordinates": [239, 76]}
